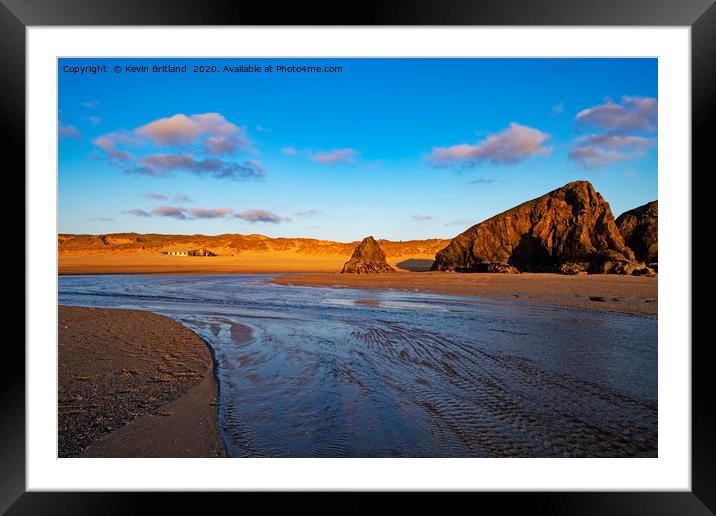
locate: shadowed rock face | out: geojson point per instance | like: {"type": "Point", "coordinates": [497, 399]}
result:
{"type": "Point", "coordinates": [368, 258]}
{"type": "Point", "coordinates": [639, 227]}
{"type": "Point", "coordinates": [569, 230]}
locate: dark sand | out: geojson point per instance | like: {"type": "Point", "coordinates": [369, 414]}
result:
{"type": "Point", "coordinates": [134, 384]}
{"type": "Point", "coordinates": [601, 292]}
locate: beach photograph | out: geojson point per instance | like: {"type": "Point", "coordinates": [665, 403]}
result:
{"type": "Point", "coordinates": [357, 258]}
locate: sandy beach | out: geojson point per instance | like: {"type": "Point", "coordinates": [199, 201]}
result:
{"type": "Point", "coordinates": [134, 384]}
{"type": "Point", "coordinates": [601, 292]}
{"type": "Point", "coordinates": [317, 372]}
{"type": "Point", "coordinates": [309, 267]}
{"type": "Point", "coordinates": [246, 262]}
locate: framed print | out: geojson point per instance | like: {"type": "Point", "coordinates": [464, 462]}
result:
{"type": "Point", "coordinates": [416, 250]}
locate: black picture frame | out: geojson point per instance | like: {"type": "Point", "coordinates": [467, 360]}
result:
{"type": "Point", "coordinates": [17, 15]}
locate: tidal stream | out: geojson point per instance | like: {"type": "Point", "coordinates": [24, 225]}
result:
{"type": "Point", "coordinates": [335, 372]}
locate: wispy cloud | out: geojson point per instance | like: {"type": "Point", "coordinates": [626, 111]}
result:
{"type": "Point", "coordinates": [631, 114]}
{"type": "Point", "coordinates": [67, 131]}
{"type": "Point", "coordinates": [625, 125]}
{"type": "Point", "coordinates": [93, 120]}
{"type": "Point", "coordinates": [256, 215]}
{"type": "Point", "coordinates": [345, 156]}
{"type": "Point", "coordinates": [90, 104]}
{"type": "Point", "coordinates": [557, 109]}
{"type": "Point", "coordinates": [164, 197]}
{"type": "Point", "coordinates": [210, 213]}
{"type": "Point", "coordinates": [110, 141]}
{"type": "Point", "coordinates": [181, 198]}
{"type": "Point", "coordinates": [510, 146]}
{"type": "Point", "coordinates": [307, 213]}
{"type": "Point", "coordinates": [595, 157]}
{"type": "Point", "coordinates": [170, 211]}
{"type": "Point", "coordinates": [183, 213]}
{"type": "Point", "coordinates": [421, 218]}
{"type": "Point", "coordinates": [162, 164]}
{"type": "Point", "coordinates": [227, 143]}
{"type": "Point", "coordinates": [616, 141]}
{"type": "Point", "coordinates": [138, 213]}
{"type": "Point", "coordinates": [155, 196]}
{"type": "Point", "coordinates": [600, 150]}
{"type": "Point", "coordinates": [482, 181]}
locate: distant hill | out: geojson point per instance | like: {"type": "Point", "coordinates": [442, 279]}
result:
{"type": "Point", "coordinates": [229, 245]}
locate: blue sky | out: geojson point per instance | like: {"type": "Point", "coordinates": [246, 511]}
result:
{"type": "Point", "coordinates": [397, 148]}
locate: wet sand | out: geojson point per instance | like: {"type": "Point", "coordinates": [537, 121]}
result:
{"type": "Point", "coordinates": [319, 372]}
{"type": "Point", "coordinates": [134, 384]}
{"type": "Point", "coordinates": [604, 292]}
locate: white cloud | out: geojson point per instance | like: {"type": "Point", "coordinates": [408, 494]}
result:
{"type": "Point", "coordinates": [601, 150]}
{"type": "Point", "coordinates": [632, 114]}
{"type": "Point", "coordinates": [345, 156]}
{"type": "Point", "coordinates": [67, 131]}
{"type": "Point", "coordinates": [512, 145]}
{"type": "Point", "coordinates": [257, 215]}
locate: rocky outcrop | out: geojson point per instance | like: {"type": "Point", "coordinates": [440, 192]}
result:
{"type": "Point", "coordinates": [368, 258]}
{"type": "Point", "coordinates": [502, 268]}
{"type": "Point", "coordinates": [640, 229]}
{"type": "Point", "coordinates": [569, 230]}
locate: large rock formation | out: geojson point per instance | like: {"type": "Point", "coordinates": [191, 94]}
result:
{"type": "Point", "coordinates": [569, 230]}
{"type": "Point", "coordinates": [639, 227]}
{"type": "Point", "coordinates": [368, 258]}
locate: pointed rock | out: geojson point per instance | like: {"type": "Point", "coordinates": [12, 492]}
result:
{"type": "Point", "coordinates": [368, 258]}
{"type": "Point", "coordinates": [569, 230]}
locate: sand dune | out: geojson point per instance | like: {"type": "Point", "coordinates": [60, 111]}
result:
{"type": "Point", "coordinates": [230, 244]}
{"type": "Point", "coordinates": [134, 253]}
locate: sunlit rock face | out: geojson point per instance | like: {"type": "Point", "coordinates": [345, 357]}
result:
{"type": "Point", "coordinates": [368, 258]}
{"type": "Point", "coordinates": [640, 229]}
{"type": "Point", "coordinates": [569, 230]}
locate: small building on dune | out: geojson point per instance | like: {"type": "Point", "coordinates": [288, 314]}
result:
{"type": "Point", "coordinates": [189, 252]}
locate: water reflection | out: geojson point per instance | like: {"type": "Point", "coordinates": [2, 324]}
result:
{"type": "Point", "coordinates": [307, 372]}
